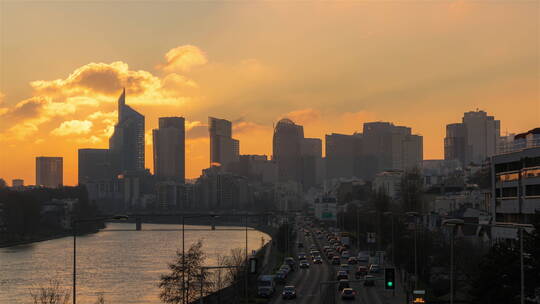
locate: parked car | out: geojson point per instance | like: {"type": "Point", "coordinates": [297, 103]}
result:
{"type": "Point", "coordinates": [289, 292]}
{"type": "Point", "coordinates": [348, 294]}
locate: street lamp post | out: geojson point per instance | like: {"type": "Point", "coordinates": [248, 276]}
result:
{"type": "Point", "coordinates": [393, 245]}
{"type": "Point", "coordinates": [452, 224]}
{"type": "Point", "coordinates": [415, 215]}
{"type": "Point", "coordinates": [74, 223]}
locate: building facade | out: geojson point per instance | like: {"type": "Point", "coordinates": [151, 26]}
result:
{"type": "Point", "coordinates": [49, 172]}
{"type": "Point", "coordinates": [223, 148]}
{"type": "Point", "coordinates": [169, 149]}
{"type": "Point", "coordinates": [126, 145]}
{"type": "Point", "coordinates": [287, 150]}
{"type": "Point", "coordinates": [94, 165]}
{"type": "Point", "coordinates": [474, 139]}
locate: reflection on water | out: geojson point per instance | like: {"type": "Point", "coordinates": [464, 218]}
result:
{"type": "Point", "coordinates": [123, 265]}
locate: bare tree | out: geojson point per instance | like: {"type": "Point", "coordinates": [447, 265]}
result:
{"type": "Point", "coordinates": [185, 277]}
{"type": "Point", "coordinates": [53, 293]}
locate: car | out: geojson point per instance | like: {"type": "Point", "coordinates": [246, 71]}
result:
{"type": "Point", "coordinates": [345, 254]}
{"type": "Point", "coordinates": [289, 292]}
{"type": "Point", "coordinates": [281, 276]}
{"type": "Point", "coordinates": [291, 262]}
{"type": "Point", "coordinates": [374, 268]}
{"type": "Point", "coordinates": [302, 256]}
{"type": "Point", "coordinates": [363, 257]}
{"type": "Point", "coordinates": [369, 280]}
{"type": "Point", "coordinates": [361, 271]}
{"type": "Point", "coordinates": [336, 260]}
{"type": "Point", "coordinates": [352, 261]}
{"type": "Point", "coordinates": [317, 260]}
{"type": "Point", "coordinates": [304, 264]}
{"type": "Point", "coordinates": [343, 283]}
{"type": "Point", "coordinates": [313, 247]}
{"type": "Point", "coordinates": [342, 275]}
{"type": "Point", "coordinates": [285, 268]}
{"type": "Point", "coordinates": [345, 267]}
{"type": "Point", "coordinates": [348, 294]}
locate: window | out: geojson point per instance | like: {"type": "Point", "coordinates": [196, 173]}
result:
{"type": "Point", "coordinates": [509, 192]}
{"type": "Point", "coordinates": [532, 190]}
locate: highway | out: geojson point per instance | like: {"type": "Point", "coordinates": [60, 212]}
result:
{"type": "Point", "coordinates": [308, 281]}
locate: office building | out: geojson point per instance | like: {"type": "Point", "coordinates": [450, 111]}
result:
{"type": "Point", "coordinates": [94, 165]}
{"type": "Point", "coordinates": [127, 141]}
{"type": "Point", "coordinates": [169, 149]}
{"type": "Point", "coordinates": [223, 148]}
{"type": "Point", "coordinates": [49, 172]}
{"type": "Point", "coordinates": [474, 139]}
{"type": "Point", "coordinates": [388, 147]}
{"type": "Point", "coordinates": [287, 150]}
{"type": "Point", "coordinates": [343, 155]}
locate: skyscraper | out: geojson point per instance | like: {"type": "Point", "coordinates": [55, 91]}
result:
{"type": "Point", "coordinates": [169, 149]}
{"type": "Point", "coordinates": [49, 171]}
{"type": "Point", "coordinates": [474, 139]}
{"type": "Point", "coordinates": [312, 164]}
{"type": "Point", "coordinates": [223, 148]}
{"type": "Point", "coordinates": [94, 165]}
{"type": "Point", "coordinates": [343, 154]}
{"type": "Point", "coordinates": [287, 150]}
{"type": "Point", "coordinates": [127, 142]}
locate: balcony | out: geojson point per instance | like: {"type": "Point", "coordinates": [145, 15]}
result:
{"type": "Point", "coordinates": [507, 205]}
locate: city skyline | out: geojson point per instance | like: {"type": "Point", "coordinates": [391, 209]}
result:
{"type": "Point", "coordinates": [60, 100]}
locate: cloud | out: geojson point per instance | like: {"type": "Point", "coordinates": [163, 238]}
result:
{"type": "Point", "coordinates": [303, 116]}
{"type": "Point", "coordinates": [99, 78]}
{"type": "Point", "coordinates": [183, 58]}
{"type": "Point", "coordinates": [103, 115]}
{"type": "Point", "coordinates": [73, 127]}
{"type": "Point", "coordinates": [88, 140]}
{"type": "Point", "coordinates": [243, 127]}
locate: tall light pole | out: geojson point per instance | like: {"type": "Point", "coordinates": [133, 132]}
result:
{"type": "Point", "coordinates": [453, 223]}
{"type": "Point", "coordinates": [74, 223]}
{"type": "Point", "coordinates": [415, 216]}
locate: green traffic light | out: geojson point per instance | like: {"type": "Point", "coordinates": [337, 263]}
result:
{"type": "Point", "coordinates": [390, 284]}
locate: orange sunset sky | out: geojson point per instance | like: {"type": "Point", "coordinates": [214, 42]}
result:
{"type": "Point", "coordinates": [330, 66]}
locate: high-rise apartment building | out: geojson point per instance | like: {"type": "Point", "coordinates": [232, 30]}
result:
{"type": "Point", "coordinates": [49, 172]}
{"type": "Point", "coordinates": [169, 149]}
{"type": "Point", "coordinates": [127, 141]}
{"type": "Point", "coordinates": [223, 148]}
{"type": "Point", "coordinates": [287, 150]}
{"type": "Point", "coordinates": [474, 139]}
{"type": "Point", "coordinates": [17, 183]}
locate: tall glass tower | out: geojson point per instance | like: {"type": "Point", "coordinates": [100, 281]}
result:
{"type": "Point", "coordinates": [127, 142]}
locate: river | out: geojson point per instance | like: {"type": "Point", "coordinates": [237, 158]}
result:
{"type": "Point", "coordinates": [124, 266]}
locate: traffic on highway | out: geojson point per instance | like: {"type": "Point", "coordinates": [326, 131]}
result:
{"type": "Point", "coordinates": [325, 268]}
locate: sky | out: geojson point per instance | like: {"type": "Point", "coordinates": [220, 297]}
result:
{"type": "Point", "coordinates": [328, 65]}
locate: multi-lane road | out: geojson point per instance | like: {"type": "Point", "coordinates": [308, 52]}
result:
{"type": "Point", "coordinates": [308, 281]}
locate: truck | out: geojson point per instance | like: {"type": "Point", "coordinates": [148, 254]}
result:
{"type": "Point", "coordinates": [266, 286]}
